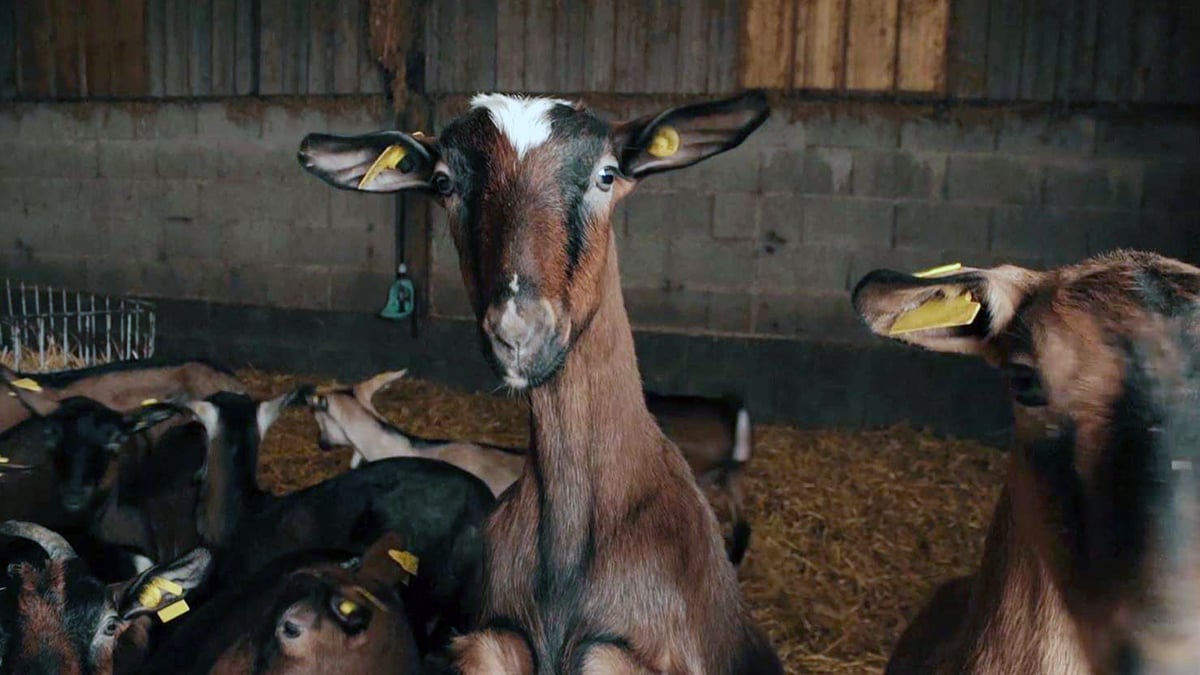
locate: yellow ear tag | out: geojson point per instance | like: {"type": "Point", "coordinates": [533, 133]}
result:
{"type": "Point", "coordinates": [388, 159]}
{"type": "Point", "coordinates": [665, 143]}
{"type": "Point", "coordinates": [167, 585]}
{"type": "Point", "coordinates": [347, 607]}
{"type": "Point", "coordinates": [938, 271]}
{"type": "Point", "coordinates": [173, 611]}
{"type": "Point", "coordinates": [27, 384]}
{"type": "Point", "coordinates": [151, 596]}
{"type": "Point", "coordinates": [3, 459]}
{"type": "Point", "coordinates": [407, 561]}
{"type": "Point", "coordinates": [150, 401]}
{"type": "Point", "coordinates": [941, 312]}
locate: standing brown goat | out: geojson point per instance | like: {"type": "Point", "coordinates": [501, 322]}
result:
{"type": "Point", "coordinates": [603, 558]}
{"type": "Point", "coordinates": [1092, 561]}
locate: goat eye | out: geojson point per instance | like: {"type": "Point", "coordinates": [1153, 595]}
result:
{"type": "Point", "coordinates": [443, 185]}
{"type": "Point", "coordinates": [290, 630]}
{"type": "Point", "coordinates": [110, 627]}
{"type": "Point", "coordinates": [608, 176]}
{"type": "Point", "coordinates": [1025, 385]}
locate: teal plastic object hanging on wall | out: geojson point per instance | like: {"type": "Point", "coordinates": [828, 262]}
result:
{"type": "Point", "coordinates": [401, 299]}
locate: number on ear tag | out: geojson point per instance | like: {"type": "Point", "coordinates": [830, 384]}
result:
{"type": "Point", "coordinates": [665, 142]}
{"type": "Point", "coordinates": [939, 312]}
{"type": "Point", "coordinates": [388, 159]}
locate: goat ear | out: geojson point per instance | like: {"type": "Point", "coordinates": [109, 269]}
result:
{"type": "Point", "coordinates": [684, 135]}
{"type": "Point", "coordinates": [388, 562]}
{"type": "Point", "coordinates": [269, 411]}
{"type": "Point", "coordinates": [161, 587]}
{"type": "Point", "coordinates": [948, 312]}
{"type": "Point", "coordinates": [149, 415]}
{"type": "Point", "coordinates": [365, 391]}
{"type": "Point", "coordinates": [28, 392]}
{"type": "Point", "coordinates": [385, 161]}
{"type": "Point", "coordinates": [206, 414]}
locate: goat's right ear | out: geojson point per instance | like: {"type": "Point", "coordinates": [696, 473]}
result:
{"type": "Point", "coordinates": [149, 415]}
{"type": "Point", "coordinates": [163, 587]}
{"type": "Point", "coordinates": [384, 161]}
{"type": "Point", "coordinates": [28, 392]}
{"type": "Point", "coordinates": [948, 312]}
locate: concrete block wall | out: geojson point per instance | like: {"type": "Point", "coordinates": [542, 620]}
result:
{"type": "Point", "coordinates": [769, 239]}
{"type": "Point", "coordinates": [200, 201]}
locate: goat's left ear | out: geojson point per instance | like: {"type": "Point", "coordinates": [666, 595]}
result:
{"type": "Point", "coordinates": [149, 415]}
{"type": "Point", "coordinates": [269, 411]}
{"type": "Point", "coordinates": [162, 587]}
{"type": "Point", "coordinates": [384, 161]}
{"type": "Point", "coordinates": [685, 135]}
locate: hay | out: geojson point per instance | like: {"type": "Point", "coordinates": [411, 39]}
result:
{"type": "Point", "coordinates": [852, 530]}
{"type": "Point", "coordinates": [51, 359]}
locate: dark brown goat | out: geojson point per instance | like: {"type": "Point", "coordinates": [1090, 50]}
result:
{"type": "Point", "coordinates": [603, 557]}
{"type": "Point", "coordinates": [311, 612]}
{"type": "Point", "coordinates": [56, 618]}
{"type": "Point", "coordinates": [1092, 561]}
{"type": "Point", "coordinates": [125, 385]}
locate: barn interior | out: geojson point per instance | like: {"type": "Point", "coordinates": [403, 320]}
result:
{"type": "Point", "coordinates": [148, 163]}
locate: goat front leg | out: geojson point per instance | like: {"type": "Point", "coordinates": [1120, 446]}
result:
{"type": "Point", "coordinates": [492, 652]}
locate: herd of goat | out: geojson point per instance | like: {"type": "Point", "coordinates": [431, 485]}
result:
{"type": "Point", "coordinates": [125, 506]}
{"type": "Point", "coordinates": [148, 470]}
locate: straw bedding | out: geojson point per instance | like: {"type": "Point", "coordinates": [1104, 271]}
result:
{"type": "Point", "coordinates": [852, 530]}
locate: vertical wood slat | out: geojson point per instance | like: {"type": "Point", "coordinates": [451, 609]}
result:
{"type": "Point", "coordinates": [295, 67]}
{"type": "Point", "coordinates": [540, 69]}
{"type": "Point", "coordinates": [574, 28]}
{"type": "Point", "coordinates": [155, 46]}
{"type": "Point", "coordinates": [599, 43]}
{"type": "Point", "coordinates": [1114, 50]}
{"type": "Point", "coordinates": [1039, 57]}
{"type": "Point", "coordinates": [320, 46]}
{"type": "Point", "coordinates": [871, 45]}
{"type": "Point", "coordinates": [921, 54]}
{"type": "Point", "coordinates": [348, 39]}
{"type": "Point", "coordinates": [480, 32]}
{"type": "Point", "coordinates": [726, 27]}
{"type": "Point", "coordinates": [1184, 86]}
{"type": "Point", "coordinates": [820, 44]}
{"type": "Point", "coordinates": [967, 49]}
{"type": "Point", "coordinates": [100, 47]}
{"type": "Point", "coordinates": [561, 41]}
{"type": "Point", "coordinates": [662, 47]}
{"type": "Point", "coordinates": [224, 47]}
{"type": "Point", "coordinates": [1077, 51]}
{"type": "Point", "coordinates": [176, 40]}
{"type": "Point", "coordinates": [370, 73]}
{"type": "Point", "coordinates": [33, 41]}
{"type": "Point", "coordinates": [631, 34]}
{"type": "Point", "coordinates": [693, 51]}
{"type": "Point", "coordinates": [8, 49]}
{"type": "Point", "coordinates": [1152, 37]}
{"type": "Point", "coordinates": [272, 27]}
{"type": "Point", "coordinates": [131, 69]}
{"type": "Point", "coordinates": [768, 32]}
{"type": "Point", "coordinates": [1005, 43]}
{"type": "Point", "coordinates": [68, 49]}
{"type": "Point", "coordinates": [245, 52]}
{"type": "Point", "coordinates": [200, 52]}
{"type": "Point", "coordinates": [510, 31]}
{"type": "Point", "coordinates": [433, 47]}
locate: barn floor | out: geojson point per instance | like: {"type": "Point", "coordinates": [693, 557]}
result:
{"type": "Point", "coordinates": [852, 530]}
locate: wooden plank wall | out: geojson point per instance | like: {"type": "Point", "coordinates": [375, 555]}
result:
{"type": "Point", "coordinates": [70, 49]}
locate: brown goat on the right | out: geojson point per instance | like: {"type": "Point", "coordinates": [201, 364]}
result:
{"type": "Point", "coordinates": [1092, 563]}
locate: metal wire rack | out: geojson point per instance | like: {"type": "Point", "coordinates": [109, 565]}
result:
{"type": "Point", "coordinates": [44, 328]}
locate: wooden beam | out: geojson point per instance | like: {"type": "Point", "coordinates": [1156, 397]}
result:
{"type": "Point", "coordinates": [871, 45]}
{"type": "Point", "coordinates": [768, 43]}
{"type": "Point", "coordinates": [820, 45]}
{"type": "Point", "coordinates": [921, 65]}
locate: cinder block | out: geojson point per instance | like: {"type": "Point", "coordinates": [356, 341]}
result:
{"type": "Point", "coordinates": [671, 215]}
{"type": "Point", "coordinates": [296, 202]}
{"type": "Point", "coordinates": [1150, 135]}
{"type": "Point", "coordinates": [245, 284]}
{"type": "Point", "coordinates": [52, 122]}
{"type": "Point", "coordinates": [299, 286]}
{"type": "Point", "coordinates": [1093, 186]}
{"type": "Point", "coordinates": [1172, 185]}
{"type": "Point", "coordinates": [898, 174]}
{"type": "Point", "coordinates": [1055, 236]}
{"type": "Point", "coordinates": [178, 200]}
{"type": "Point", "coordinates": [778, 132]}
{"type": "Point", "coordinates": [803, 268]}
{"type": "Point", "coordinates": [811, 171]}
{"type": "Point", "coordinates": [667, 308]}
{"type": "Point", "coordinates": [356, 210]}
{"type": "Point", "coordinates": [1043, 134]}
{"type": "Point", "coordinates": [166, 121]}
{"type": "Point", "coordinates": [828, 317]}
{"type": "Point", "coordinates": [126, 159]}
{"type": "Point", "coordinates": [134, 239]}
{"type": "Point", "coordinates": [218, 122]}
{"type": "Point", "coordinates": [848, 222]}
{"type": "Point", "coordinates": [189, 239]}
{"type": "Point", "coordinates": [357, 290]}
{"type": "Point", "coordinates": [11, 206]}
{"type": "Point", "coordinates": [371, 115]}
{"type": "Point", "coordinates": [711, 263]}
{"type": "Point", "coordinates": [296, 244]}
{"type": "Point", "coordinates": [50, 200]}
{"type": "Point", "coordinates": [187, 159]}
{"type": "Point", "coordinates": [732, 171]}
{"type": "Point", "coordinates": [64, 159]}
{"type": "Point", "coordinates": [729, 312]}
{"type": "Point", "coordinates": [244, 240]}
{"type": "Point", "coordinates": [864, 260]}
{"type": "Point", "coordinates": [781, 219]}
{"type": "Point", "coordinates": [643, 262]}
{"type": "Point", "coordinates": [1155, 231]}
{"type": "Point", "coordinates": [115, 198]}
{"type": "Point", "coordinates": [949, 133]}
{"type": "Point", "coordinates": [734, 215]}
{"type": "Point", "coordinates": [942, 226]}
{"type": "Point", "coordinates": [82, 237]}
{"type": "Point", "coordinates": [991, 180]}
{"type": "Point", "coordinates": [287, 127]}
{"type": "Point", "coordinates": [258, 161]}
{"type": "Point", "coordinates": [112, 123]}
{"type": "Point", "coordinates": [864, 128]}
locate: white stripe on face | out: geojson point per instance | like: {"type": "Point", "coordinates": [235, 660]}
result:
{"type": "Point", "coordinates": [524, 121]}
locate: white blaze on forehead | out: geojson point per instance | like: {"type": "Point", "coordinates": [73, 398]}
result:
{"type": "Point", "coordinates": [514, 285]}
{"type": "Point", "coordinates": [525, 121]}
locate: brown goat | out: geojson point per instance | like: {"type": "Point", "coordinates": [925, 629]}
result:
{"type": "Point", "coordinates": [124, 385]}
{"type": "Point", "coordinates": [603, 557]}
{"type": "Point", "coordinates": [1092, 562]}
